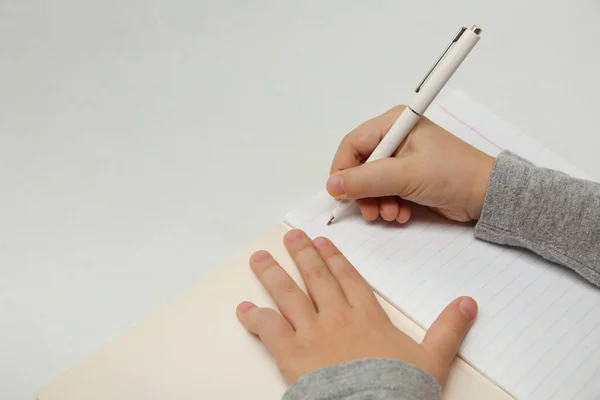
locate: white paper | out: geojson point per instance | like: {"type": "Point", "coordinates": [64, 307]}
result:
{"type": "Point", "coordinates": [538, 330]}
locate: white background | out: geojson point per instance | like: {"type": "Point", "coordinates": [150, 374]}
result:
{"type": "Point", "coordinates": [144, 142]}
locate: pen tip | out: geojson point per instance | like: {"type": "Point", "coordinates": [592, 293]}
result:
{"type": "Point", "coordinates": [330, 221]}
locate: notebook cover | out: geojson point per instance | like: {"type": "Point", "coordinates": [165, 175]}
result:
{"type": "Point", "coordinates": [195, 348]}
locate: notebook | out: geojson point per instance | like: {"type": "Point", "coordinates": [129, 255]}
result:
{"type": "Point", "coordinates": [195, 348]}
{"type": "Point", "coordinates": [538, 331]}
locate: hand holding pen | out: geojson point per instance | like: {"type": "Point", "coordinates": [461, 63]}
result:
{"type": "Point", "coordinates": [433, 82]}
{"type": "Point", "coordinates": [430, 166]}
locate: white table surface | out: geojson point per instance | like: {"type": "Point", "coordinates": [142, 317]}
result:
{"type": "Point", "coordinates": [144, 142]}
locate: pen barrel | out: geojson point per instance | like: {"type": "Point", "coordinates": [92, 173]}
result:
{"type": "Point", "coordinates": [444, 71]}
{"type": "Point", "coordinates": [395, 135]}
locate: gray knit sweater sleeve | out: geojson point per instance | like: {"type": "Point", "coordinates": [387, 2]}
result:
{"type": "Point", "coordinates": [545, 211]}
{"type": "Point", "coordinates": [367, 379]}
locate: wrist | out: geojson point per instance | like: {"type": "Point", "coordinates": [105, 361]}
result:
{"type": "Point", "coordinates": [479, 185]}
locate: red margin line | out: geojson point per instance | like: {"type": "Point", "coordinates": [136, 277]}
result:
{"type": "Point", "coordinates": [469, 127]}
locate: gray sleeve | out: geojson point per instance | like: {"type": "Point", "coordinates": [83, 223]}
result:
{"type": "Point", "coordinates": [545, 211]}
{"type": "Point", "coordinates": [366, 379]}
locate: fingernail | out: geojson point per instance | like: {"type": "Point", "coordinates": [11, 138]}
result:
{"type": "Point", "coordinates": [321, 243]}
{"type": "Point", "coordinates": [335, 184]}
{"type": "Point", "coordinates": [293, 235]}
{"type": "Point", "coordinates": [261, 255]}
{"type": "Point", "coordinates": [468, 307]}
{"type": "Point", "coordinates": [245, 306]}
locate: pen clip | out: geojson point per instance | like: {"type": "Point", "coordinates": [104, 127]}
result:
{"type": "Point", "coordinates": [440, 58]}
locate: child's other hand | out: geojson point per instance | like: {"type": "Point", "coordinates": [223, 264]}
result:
{"type": "Point", "coordinates": [341, 320]}
{"type": "Point", "coordinates": [431, 167]}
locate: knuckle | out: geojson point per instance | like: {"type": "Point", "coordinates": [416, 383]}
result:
{"type": "Point", "coordinates": [363, 141]}
{"type": "Point", "coordinates": [341, 319]}
{"type": "Point", "coordinates": [309, 262]}
{"type": "Point", "coordinates": [344, 318]}
{"type": "Point", "coordinates": [261, 269]}
{"type": "Point", "coordinates": [345, 143]}
{"type": "Point", "coordinates": [450, 331]}
{"type": "Point", "coordinates": [313, 272]}
{"type": "Point", "coordinates": [329, 253]}
{"type": "Point", "coordinates": [286, 286]}
{"type": "Point", "coordinates": [346, 272]}
{"type": "Point", "coordinates": [261, 317]}
{"type": "Point", "coordinates": [302, 248]}
{"type": "Point", "coordinates": [309, 336]}
{"type": "Point", "coordinates": [347, 138]}
{"type": "Point", "coordinates": [256, 321]}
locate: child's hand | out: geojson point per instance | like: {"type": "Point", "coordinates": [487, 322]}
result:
{"type": "Point", "coordinates": [342, 320]}
{"type": "Point", "coordinates": [431, 167]}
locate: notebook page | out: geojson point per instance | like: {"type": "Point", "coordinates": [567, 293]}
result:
{"type": "Point", "coordinates": [537, 334]}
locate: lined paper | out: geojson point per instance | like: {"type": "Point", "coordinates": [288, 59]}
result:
{"type": "Point", "coordinates": [538, 331]}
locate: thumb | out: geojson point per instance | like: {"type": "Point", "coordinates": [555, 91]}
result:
{"type": "Point", "coordinates": [446, 334]}
{"type": "Point", "coordinates": [379, 178]}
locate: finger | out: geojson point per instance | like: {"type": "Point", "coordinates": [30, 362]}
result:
{"type": "Point", "coordinates": [358, 145]}
{"type": "Point", "coordinates": [355, 288]}
{"type": "Point", "coordinates": [322, 287]}
{"type": "Point", "coordinates": [389, 207]}
{"type": "Point", "coordinates": [404, 213]}
{"type": "Point", "coordinates": [290, 299]}
{"type": "Point", "coordinates": [446, 334]}
{"type": "Point", "coordinates": [369, 208]}
{"type": "Point", "coordinates": [385, 177]}
{"type": "Point", "coordinates": [272, 329]}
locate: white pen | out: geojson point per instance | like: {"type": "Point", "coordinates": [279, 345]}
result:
{"type": "Point", "coordinates": [433, 82]}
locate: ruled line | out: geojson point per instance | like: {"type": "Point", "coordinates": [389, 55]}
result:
{"type": "Point", "coordinates": [522, 299]}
